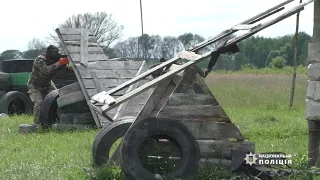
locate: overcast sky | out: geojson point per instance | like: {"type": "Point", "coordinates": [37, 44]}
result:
{"type": "Point", "coordinates": [24, 20]}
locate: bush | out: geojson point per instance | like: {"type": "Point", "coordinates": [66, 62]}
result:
{"type": "Point", "coordinates": [278, 62]}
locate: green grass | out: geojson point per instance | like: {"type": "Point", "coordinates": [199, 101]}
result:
{"type": "Point", "coordinates": [256, 102]}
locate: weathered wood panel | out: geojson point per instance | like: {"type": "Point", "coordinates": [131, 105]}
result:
{"type": "Point", "coordinates": [213, 130]}
{"type": "Point", "coordinates": [91, 57]}
{"type": "Point", "coordinates": [111, 74]}
{"type": "Point", "coordinates": [70, 31]}
{"type": "Point", "coordinates": [193, 110]}
{"type": "Point", "coordinates": [93, 70]}
{"type": "Point", "coordinates": [91, 50]}
{"type": "Point", "coordinates": [84, 48]}
{"type": "Point", "coordinates": [77, 37]}
{"type": "Point", "coordinates": [78, 43]}
{"type": "Point", "coordinates": [114, 65]}
{"type": "Point", "coordinates": [177, 99]}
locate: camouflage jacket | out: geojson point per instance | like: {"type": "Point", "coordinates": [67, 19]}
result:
{"type": "Point", "coordinates": [42, 74]}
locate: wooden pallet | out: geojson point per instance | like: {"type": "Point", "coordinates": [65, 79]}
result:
{"type": "Point", "coordinates": [95, 73]}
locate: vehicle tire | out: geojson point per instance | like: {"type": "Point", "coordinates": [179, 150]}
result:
{"type": "Point", "coordinates": [49, 110]}
{"type": "Point", "coordinates": [4, 81]}
{"type": "Point", "coordinates": [70, 98]}
{"type": "Point", "coordinates": [106, 138]}
{"type": "Point", "coordinates": [76, 108]}
{"type": "Point", "coordinates": [77, 118]}
{"type": "Point", "coordinates": [74, 87]}
{"type": "Point", "coordinates": [176, 131]}
{"type": "Point", "coordinates": [14, 102]}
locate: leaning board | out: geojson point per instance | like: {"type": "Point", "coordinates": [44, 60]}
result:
{"type": "Point", "coordinates": [95, 73]}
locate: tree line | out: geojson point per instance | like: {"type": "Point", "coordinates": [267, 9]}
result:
{"type": "Point", "coordinates": [255, 51]}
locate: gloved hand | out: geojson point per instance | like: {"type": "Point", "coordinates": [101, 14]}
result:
{"type": "Point", "coordinates": [63, 61]}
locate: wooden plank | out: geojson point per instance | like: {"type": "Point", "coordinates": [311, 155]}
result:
{"type": "Point", "coordinates": [84, 48]}
{"type": "Point", "coordinates": [109, 74]}
{"type": "Point", "coordinates": [194, 110]}
{"type": "Point", "coordinates": [186, 82]}
{"type": "Point", "coordinates": [213, 130]}
{"type": "Point", "coordinates": [104, 83]}
{"type": "Point", "coordinates": [115, 65]}
{"type": "Point", "coordinates": [76, 57]}
{"type": "Point", "coordinates": [78, 43]}
{"type": "Point", "coordinates": [70, 31]}
{"type": "Point", "coordinates": [123, 106]}
{"type": "Point", "coordinates": [192, 117]}
{"type": "Point", "coordinates": [93, 112]}
{"type": "Point", "coordinates": [202, 84]}
{"type": "Point", "coordinates": [177, 99]}
{"type": "Point", "coordinates": [222, 148]}
{"type": "Point", "coordinates": [91, 50]}
{"type": "Point", "coordinates": [77, 37]}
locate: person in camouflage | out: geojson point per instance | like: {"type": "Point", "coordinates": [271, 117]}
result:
{"type": "Point", "coordinates": [40, 83]}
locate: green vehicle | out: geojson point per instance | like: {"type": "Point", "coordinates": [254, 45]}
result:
{"type": "Point", "coordinates": [14, 75]}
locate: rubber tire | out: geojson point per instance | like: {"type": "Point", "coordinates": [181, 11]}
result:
{"type": "Point", "coordinates": [4, 81]}
{"type": "Point", "coordinates": [13, 95]}
{"type": "Point", "coordinates": [48, 109]}
{"type": "Point", "coordinates": [77, 118]}
{"type": "Point", "coordinates": [130, 162]}
{"type": "Point", "coordinates": [75, 108]}
{"type": "Point", "coordinates": [70, 98]}
{"type": "Point", "coordinates": [106, 138]}
{"type": "Point", "coordinates": [74, 87]}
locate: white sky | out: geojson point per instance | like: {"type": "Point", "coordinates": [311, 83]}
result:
{"type": "Point", "coordinates": [23, 20]}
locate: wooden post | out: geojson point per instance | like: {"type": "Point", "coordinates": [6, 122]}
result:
{"type": "Point", "coordinates": [295, 60]}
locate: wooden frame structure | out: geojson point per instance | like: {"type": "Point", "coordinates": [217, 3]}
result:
{"type": "Point", "coordinates": [179, 94]}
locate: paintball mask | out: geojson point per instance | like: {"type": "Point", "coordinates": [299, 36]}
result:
{"type": "Point", "coordinates": [53, 54]}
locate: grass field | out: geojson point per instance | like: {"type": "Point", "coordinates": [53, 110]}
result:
{"type": "Point", "coordinates": [256, 101]}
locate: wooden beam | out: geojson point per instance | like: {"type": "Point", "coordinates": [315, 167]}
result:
{"type": "Point", "coordinates": [77, 37]}
{"type": "Point", "coordinates": [84, 47]}
{"type": "Point", "coordinates": [71, 31]}
{"type": "Point", "coordinates": [91, 50]}
{"type": "Point", "coordinates": [90, 57]}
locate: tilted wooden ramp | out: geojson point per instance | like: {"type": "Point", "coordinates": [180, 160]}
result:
{"type": "Point", "coordinates": [95, 73]}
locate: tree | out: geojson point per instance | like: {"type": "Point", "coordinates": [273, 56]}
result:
{"type": "Point", "coordinates": [170, 47]}
{"type": "Point", "coordinates": [104, 27]}
{"type": "Point", "coordinates": [35, 47]}
{"type": "Point", "coordinates": [11, 54]}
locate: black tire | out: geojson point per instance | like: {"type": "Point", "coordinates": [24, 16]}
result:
{"type": "Point", "coordinates": [4, 81]}
{"type": "Point", "coordinates": [76, 108]}
{"type": "Point", "coordinates": [70, 99]}
{"type": "Point", "coordinates": [106, 138]}
{"type": "Point", "coordinates": [74, 87]}
{"type": "Point", "coordinates": [48, 110]}
{"type": "Point", "coordinates": [149, 127]}
{"type": "Point", "coordinates": [77, 118]}
{"type": "Point", "coordinates": [14, 102]}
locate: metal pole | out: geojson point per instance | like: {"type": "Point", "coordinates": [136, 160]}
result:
{"type": "Point", "coordinates": [141, 27]}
